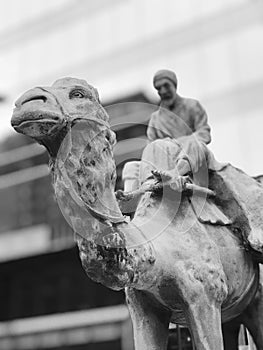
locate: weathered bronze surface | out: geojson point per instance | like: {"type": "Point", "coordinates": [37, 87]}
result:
{"type": "Point", "coordinates": [173, 267]}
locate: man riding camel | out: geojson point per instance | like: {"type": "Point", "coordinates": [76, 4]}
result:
{"type": "Point", "coordinates": [179, 133]}
{"type": "Point", "coordinates": [184, 122]}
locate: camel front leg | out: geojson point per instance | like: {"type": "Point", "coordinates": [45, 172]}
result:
{"type": "Point", "coordinates": [150, 321]}
{"type": "Point", "coordinates": [204, 322]}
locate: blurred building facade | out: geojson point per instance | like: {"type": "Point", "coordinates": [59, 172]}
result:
{"type": "Point", "coordinates": [214, 46]}
{"type": "Point", "coordinates": [116, 45]}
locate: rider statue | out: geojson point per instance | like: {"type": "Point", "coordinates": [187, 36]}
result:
{"type": "Point", "coordinates": [184, 122]}
{"type": "Point", "coordinates": [177, 153]}
{"type": "Point", "coordinates": [186, 115]}
{"type": "Point", "coordinates": [180, 124]}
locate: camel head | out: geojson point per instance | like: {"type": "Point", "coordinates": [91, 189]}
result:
{"type": "Point", "coordinates": [68, 119]}
{"type": "Point", "coordinates": [47, 113]}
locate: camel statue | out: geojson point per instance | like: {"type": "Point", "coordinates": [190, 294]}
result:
{"type": "Point", "coordinates": [173, 266]}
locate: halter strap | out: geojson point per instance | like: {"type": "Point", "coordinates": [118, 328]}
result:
{"type": "Point", "coordinates": [96, 120]}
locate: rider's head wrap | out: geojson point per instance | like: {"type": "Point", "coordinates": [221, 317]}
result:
{"type": "Point", "coordinates": [167, 74]}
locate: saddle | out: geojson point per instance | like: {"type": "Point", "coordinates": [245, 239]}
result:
{"type": "Point", "coordinates": [233, 199]}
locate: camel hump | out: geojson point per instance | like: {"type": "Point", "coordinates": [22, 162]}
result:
{"type": "Point", "coordinates": [240, 197]}
{"type": "Point", "coordinates": [258, 178]}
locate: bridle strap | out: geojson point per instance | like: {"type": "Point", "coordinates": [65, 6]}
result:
{"type": "Point", "coordinates": [96, 120]}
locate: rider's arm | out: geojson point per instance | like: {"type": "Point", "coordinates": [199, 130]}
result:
{"type": "Point", "coordinates": [201, 128]}
{"type": "Point", "coordinates": [151, 130]}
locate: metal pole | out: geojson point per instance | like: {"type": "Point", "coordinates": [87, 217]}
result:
{"type": "Point", "coordinates": [179, 337]}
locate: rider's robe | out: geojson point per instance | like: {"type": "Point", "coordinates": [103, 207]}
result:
{"type": "Point", "coordinates": [187, 117]}
{"type": "Point", "coordinates": [186, 126]}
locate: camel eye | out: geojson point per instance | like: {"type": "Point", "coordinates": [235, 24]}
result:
{"type": "Point", "coordinates": [76, 94]}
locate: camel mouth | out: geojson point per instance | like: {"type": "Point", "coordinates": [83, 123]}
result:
{"type": "Point", "coordinates": [35, 109]}
{"type": "Point", "coordinates": [37, 124]}
{"type": "Point", "coordinates": [25, 123]}
{"type": "Point", "coordinates": [26, 118]}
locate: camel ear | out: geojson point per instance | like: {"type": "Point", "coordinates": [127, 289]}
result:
{"type": "Point", "coordinates": [97, 95]}
{"type": "Point", "coordinates": [111, 137]}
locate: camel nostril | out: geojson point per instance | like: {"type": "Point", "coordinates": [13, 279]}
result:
{"type": "Point", "coordinates": [35, 98]}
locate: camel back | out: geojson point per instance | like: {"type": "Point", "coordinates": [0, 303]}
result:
{"type": "Point", "coordinates": [239, 197]}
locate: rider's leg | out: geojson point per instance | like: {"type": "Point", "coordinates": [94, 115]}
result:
{"type": "Point", "coordinates": [130, 176]}
{"type": "Point", "coordinates": [182, 168]}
